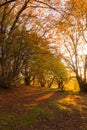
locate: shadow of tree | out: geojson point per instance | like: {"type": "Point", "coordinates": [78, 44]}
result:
{"type": "Point", "coordinates": [68, 109]}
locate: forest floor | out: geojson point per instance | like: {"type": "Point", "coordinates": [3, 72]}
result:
{"type": "Point", "coordinates": [28, 108]}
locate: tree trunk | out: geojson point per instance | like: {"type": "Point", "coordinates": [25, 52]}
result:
{"type": "Point", "coordinates": [27, 80]}
{"type": "Point", "coordinates": [82, 84]}
{"type": "Point", "coordinates": [50, 83]}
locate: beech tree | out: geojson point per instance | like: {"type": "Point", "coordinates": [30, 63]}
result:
{"type": "Point", "coordinates": [48, 70]}
{"type": "Point", "coordinates": [73, 36]}
{"type": "Point", "coordinates": [15, 45]}
{"type": "Point", "coordinates": [14, 48]}
{"type": "Point", "coordinates": [14, 57]}
{"type": "Point", "coordinates": [39, 48]}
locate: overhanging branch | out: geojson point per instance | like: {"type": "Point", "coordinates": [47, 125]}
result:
{"type": "Point", "coordinates": [6, 2]}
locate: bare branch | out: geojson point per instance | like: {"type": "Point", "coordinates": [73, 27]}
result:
{"type": "Point", "coordinates": [18, 15]}
{"type": "Point", "coordinates": [6, 2]}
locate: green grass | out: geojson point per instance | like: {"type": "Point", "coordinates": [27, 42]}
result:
{"type": "Point", "coordinates": [65, 103]}
{"type": "Point", "coordinates": [5, 120]}
{"type": "Point", "coordinates": [60, 107]}
{"type": "Point", "coordinates": [9, 121]}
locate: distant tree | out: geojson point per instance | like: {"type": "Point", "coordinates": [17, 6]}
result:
{"type": "Point", "coordinates": [39, 48]}
{"type": "Point", "coordinates": [48, 70]}
{"type": "Point", "coordinates": [59, 72]}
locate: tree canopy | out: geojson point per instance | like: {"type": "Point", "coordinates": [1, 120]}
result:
{"type": "Point", "coordinates": [35, 33]}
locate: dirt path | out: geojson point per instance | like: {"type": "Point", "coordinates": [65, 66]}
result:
{"type": "Point", "coordinates": [47, 109]}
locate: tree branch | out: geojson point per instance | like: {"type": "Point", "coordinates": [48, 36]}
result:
{"type": "Point", "coordinates": [18, 15]}
{"type": "Point", "coordinates": [6, 2]}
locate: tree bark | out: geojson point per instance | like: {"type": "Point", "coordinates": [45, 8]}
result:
{"type": "Point", "coordinates": [82, 84]}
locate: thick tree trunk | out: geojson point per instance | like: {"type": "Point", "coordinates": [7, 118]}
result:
{"type": "Point", "coordinates": [5, 85]}
{"type": "Point", "coordinates": [82, 84]}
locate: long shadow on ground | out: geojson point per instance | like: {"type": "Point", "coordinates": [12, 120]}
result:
{"type": "Point", "coordinates": [42, 109]}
